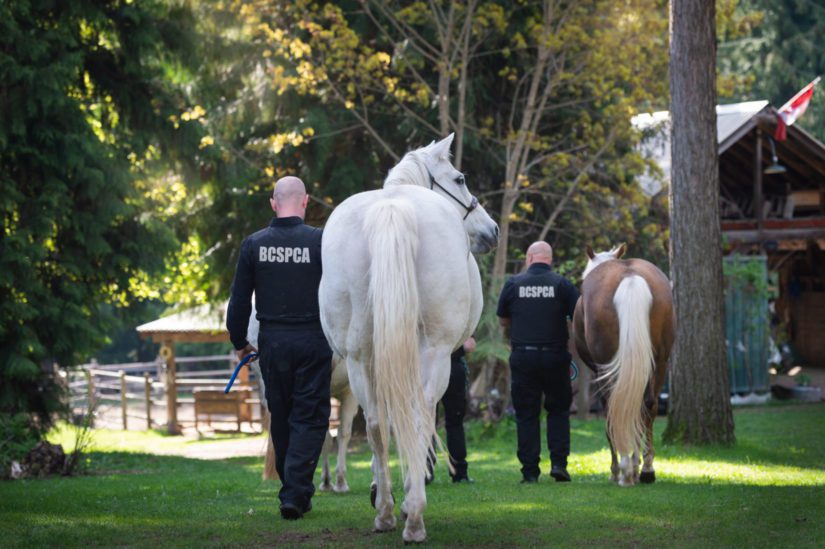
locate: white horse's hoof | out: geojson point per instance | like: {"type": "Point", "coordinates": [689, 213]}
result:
{"type": "Point", "coordinates": [418, 535]}
{"type": "Point", "coordinates": [625, 482]}
{"type": "Point", "coordinates": [382, 525]}
{"type": "Point", "coordinates": [325, 487]}
{"type": "Point", "coordinates": [340, 488]}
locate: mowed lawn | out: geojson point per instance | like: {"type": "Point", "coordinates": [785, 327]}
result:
{"type": "Point", "coordinates": [767, 491]}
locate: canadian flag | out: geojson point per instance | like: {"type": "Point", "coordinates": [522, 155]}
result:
{"type": "Point", "coordinates": [793, 109]}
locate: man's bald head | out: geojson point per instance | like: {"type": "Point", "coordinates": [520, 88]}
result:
{"type": "Point", "coordinates": [539, 252]}
{"type": "Point", "coordinates": [289, 198]}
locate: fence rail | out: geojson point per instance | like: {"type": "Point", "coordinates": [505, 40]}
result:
{"type": "Point", "coordinates": [120, 396]}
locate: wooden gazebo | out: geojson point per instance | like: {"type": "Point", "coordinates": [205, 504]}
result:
{"type": "Point", "coordinates": [202, 324]}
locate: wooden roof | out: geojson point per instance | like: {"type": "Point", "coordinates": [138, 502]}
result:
{"type": "Point", "coordinates": [205, 323]}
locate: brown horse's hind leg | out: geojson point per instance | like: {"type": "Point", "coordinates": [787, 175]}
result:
{"type": "Point", "coordinates": [614, 462]}
{"type": "Point", "coordinates": [648, 475]}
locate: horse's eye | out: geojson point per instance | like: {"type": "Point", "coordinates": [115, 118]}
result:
{"type": "Point", "coordinates": [460, 179]}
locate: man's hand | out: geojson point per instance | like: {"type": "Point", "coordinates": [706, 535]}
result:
{"type": "Point", "coordinates": [470, 345]}
{"type": "Point", "coordinates": [245, 351]}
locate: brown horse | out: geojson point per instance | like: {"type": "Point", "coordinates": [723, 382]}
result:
{"type": "Point", "coordinates": [624, 327]}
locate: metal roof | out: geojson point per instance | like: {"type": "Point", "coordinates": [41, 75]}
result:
{"type": "Point", "coordinates": [733, 121]}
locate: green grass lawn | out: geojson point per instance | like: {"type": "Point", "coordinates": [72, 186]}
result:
{"type": "Point", "coordinates": [767, 491]}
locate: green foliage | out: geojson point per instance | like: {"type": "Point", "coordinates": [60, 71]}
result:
{"type": "Point", "coordinates": [748, 276]}
{"type": "Point", "coordinates": [782, 53]}
{"type": "Point", "coordinates": [85, 98]}
{"type": "Point", "coordinates": [18, 435]}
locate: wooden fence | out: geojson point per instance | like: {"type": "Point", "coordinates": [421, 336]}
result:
{"type": "Point", "coordinates": [135, 395]}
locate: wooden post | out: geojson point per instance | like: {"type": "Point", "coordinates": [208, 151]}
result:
{"type": "Point", "coordinates": [147, 392]}
{"type": "Point", "coordinates": [123, 403]}
{"type": "Point", "coordinates": [90, 384]}
{"type": "Point", "coordinates": [168, 353]}
{"type": "Point", "coordinates": [758, 206]}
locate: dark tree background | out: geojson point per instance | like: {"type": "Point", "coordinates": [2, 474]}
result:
{"type": "Point", "coordinates": [84, 100]}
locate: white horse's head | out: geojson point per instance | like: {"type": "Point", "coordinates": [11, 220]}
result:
{"type": "Point", "coordinates": [430, 166]}
{"type": "Point", "coordinates": [597, 259]}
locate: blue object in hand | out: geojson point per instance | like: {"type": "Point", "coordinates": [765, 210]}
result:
{"type": "Point", "coordinates": [574, 371]}
{"type": "Point", "coordinates": [247, 359]}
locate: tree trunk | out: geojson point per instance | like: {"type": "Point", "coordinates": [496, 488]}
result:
{"type": "Point", "coordinates": [700, 410]}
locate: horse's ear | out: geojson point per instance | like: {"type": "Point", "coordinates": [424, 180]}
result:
{"type": "Point", "coordinates": [442, 148]}
{"type": "Point", "coordinates": [622, 249]}
{"type": "Point", "coordinates": [589, 251]}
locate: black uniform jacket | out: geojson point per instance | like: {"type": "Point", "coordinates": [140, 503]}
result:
{"type": "Point", "coordinates": [538, 303]}
{"type": "Point", "coordinates": [282, 265]}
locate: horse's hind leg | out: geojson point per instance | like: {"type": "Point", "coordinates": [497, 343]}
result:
{"type": "Point", "coordinates": [325, 485]}
{"type": "Point", "coordinates": [385, 519]}
{"type": "Point", "coordinates": [648, 475]}
{"type": "Point", "coordinates": [415, 499]}
{"type": "Point", "coordinates": [349, 407]}
{"type": "Point", "coordinates": [614, 463]}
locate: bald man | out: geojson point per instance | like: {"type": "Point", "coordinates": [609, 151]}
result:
{"type": "Point", "coordinates": [281, 264]}
{"type": "Point", "coordinates": [533, 309]}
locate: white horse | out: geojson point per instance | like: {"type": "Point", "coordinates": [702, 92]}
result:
{"type": "Point", "coordinates": [339, 389]}
{"type": "Point", "coordinates": [400, 292]}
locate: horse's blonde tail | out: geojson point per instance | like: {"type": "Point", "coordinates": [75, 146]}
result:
{"type": "Point", "coordinates": [269, 472]}
{"type": "Point", "coordinates": [392, 233]}
{"type": "Point", "coordinates": [627, 375]}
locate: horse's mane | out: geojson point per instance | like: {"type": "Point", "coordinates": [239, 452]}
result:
{"type": "Point", "coordinates": [411, 170]}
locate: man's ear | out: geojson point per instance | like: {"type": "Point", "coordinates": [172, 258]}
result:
{"type": "Point", "coordinates": [305, 201]}
{"type": "Point", "coordinates": [272, 204]}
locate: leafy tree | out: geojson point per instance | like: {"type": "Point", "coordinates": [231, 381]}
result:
{"type": "Point", "coordinates": [86, 89]}
{"type": "Point", "coordinates": [782, 52]}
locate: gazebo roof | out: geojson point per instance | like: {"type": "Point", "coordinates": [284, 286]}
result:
{"type": "Point", "coordinates": [205, 323]}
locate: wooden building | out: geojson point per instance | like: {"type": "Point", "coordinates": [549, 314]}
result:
{"type": "Point", "coordinates": [772, 203]}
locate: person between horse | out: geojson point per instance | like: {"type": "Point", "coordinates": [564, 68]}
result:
{"type": "Point", "coordinates": [533, 310]}
{"type": "Point", "coordinates": [281, 264]}
{"type": "Point", "coordinates": [455, 407]}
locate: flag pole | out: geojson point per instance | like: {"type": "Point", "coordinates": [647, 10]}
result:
{"type": "Point", "coordinates": [813, 83]}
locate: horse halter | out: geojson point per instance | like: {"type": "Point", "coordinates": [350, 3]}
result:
{"type": "Point", "coordinates": [473, 201]}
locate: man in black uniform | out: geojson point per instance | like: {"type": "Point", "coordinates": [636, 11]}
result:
{"type": "Point", "coordinates": [282, 265]}
{"type": "Point", "coordinates": [455, 407]}
{"type": "Point", "coordinates": [533, 310]}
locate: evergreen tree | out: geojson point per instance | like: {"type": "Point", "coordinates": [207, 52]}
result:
{"type": "Point", "coordinates": [784, 53]}
{"type": "Point", "coordinates": [85, 98]}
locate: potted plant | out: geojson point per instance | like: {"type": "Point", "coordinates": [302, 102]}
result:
{"type": "Point", "coordinates": [804, 391]}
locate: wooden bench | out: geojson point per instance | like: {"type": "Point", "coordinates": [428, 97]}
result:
{"type": "Point", "coordinates": [211, 402]}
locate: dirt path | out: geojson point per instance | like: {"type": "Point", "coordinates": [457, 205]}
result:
{"type": "Point", "coordinates": [218, 449]}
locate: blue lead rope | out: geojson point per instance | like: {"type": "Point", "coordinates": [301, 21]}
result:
{"type": "Point", "coordinates": [248, 358]}
{"type": "Point", "coordinates": [574, 371]}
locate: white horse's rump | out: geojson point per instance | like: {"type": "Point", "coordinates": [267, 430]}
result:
{"type": "Point", "coordinates": [400, 292]}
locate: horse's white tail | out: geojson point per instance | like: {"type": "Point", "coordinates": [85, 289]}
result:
{"type": "Point", "coordinates": [269, 472]}
{"type": "Point", "coordinates": [392, 232]}
{"type": "Point", "coordinates": [627, 375]}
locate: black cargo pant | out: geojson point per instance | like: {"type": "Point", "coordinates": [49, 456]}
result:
{"type": "Point", "coordinates": [536, 373]}
{"type": "Point", "coordinates": [455, 406]}
{"type": "Point", "coordinates": [296, 368]}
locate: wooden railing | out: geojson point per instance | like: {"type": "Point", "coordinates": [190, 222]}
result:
{"type": "Point", "coordinates": [136, 393]}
